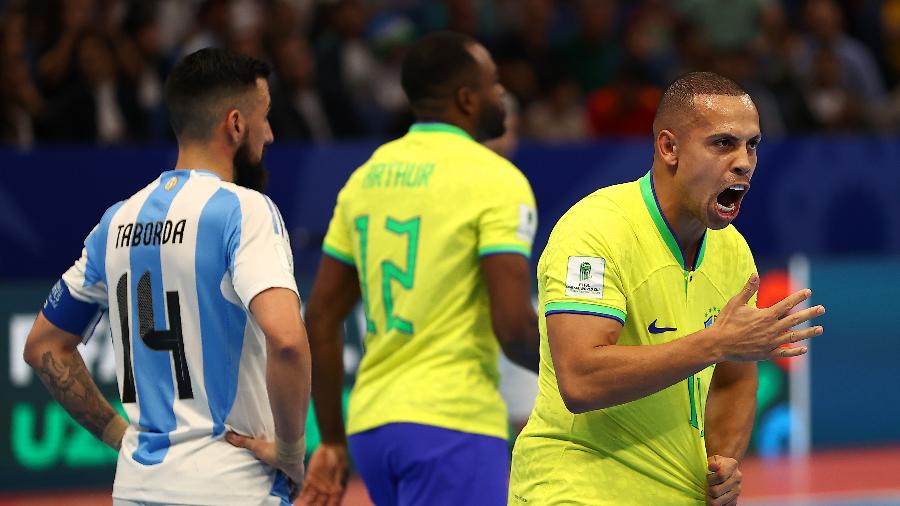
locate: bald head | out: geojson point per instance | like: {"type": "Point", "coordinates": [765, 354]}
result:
{"type": "Point", "coordinates": [679, 106]}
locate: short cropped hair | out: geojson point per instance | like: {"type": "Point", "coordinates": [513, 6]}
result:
{"type": "Point", "coordinates": [203, 85]}
{"type": "Point", "coordinates": [435, 67]}
{"type": "Point", "coordinates": [679, 95]}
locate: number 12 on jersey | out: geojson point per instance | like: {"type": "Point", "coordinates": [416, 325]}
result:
{"type": "Point", "coordinates": [390, 271]}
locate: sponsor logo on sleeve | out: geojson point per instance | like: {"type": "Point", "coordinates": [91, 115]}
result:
{"type": "Point", "coordinates": [55, 295]}
{"type": "Point", "coordinates": [287, 262]}
{"type": "Point", "coordinates": [584, 277]}
{"type": "Point", "coordinates": [527, 223]}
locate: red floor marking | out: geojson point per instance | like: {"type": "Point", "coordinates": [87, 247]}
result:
{"type": "Point", "coordinates": [823, 473]}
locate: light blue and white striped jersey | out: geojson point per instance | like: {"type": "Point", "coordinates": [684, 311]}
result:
{"type": "Point", "coordinates": [177, 265]}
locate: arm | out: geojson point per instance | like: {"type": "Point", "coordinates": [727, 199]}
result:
{"type": "Point", "coordinates": [730, 409]}
{"type": "Point", "coordinates": [594, 373]}
{"type": "Point", "coordinates": [53, 353]}
{"type": "Point", "coordinates": [512, 315]}
{"type": "Point", "coordinates": [277, 311]}
{"type": "Point", "coordinates": [335, 292]}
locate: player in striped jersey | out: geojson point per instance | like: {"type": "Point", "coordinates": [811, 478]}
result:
{"type": "Point", "coordinates": [196, 274]}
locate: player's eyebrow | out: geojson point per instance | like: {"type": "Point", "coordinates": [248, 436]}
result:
{"type": "Point", "coordinates": [723, 136]}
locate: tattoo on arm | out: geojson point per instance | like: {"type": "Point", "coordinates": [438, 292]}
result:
{"type": "Point", "coordinates": [70, 383]}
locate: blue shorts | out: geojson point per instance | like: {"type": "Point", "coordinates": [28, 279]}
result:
{"type": "Point", "coordinates": [408, 464]}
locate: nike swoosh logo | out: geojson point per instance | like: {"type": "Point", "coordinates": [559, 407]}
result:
{"type": "Point", "coordinates": [653, 329]}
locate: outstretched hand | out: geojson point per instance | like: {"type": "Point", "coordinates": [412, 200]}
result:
{"type": "Point", "coordinates": [750, 334]}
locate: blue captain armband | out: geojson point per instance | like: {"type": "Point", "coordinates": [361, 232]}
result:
{"type": "Point", "coordinates": [70, 314]}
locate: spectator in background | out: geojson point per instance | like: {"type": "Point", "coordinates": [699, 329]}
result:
{"type": "Point", "coordinates": [149, 68]}
{"type": "Point", "coordinates": [825, 40]}
{"type": "Point", "coordinates": [626, 106]}
{"type": "Point", "coordinates": [20, 103]}
{"type": "Point", "coordinates": [560, 116]}
{"type": "Point", "coordinates": [100, 106]}
{"type": "Point", "coordinates": [833, 106]}
{"type": "Point", "coordinates": [774, 67]}
{"type": "Point", "coordinates": [890, 29]}
{"type": "Point", "coordinates": [61, 27]}
{"type": "Point", "coordinates": [649, 41]}
{"type": "Point", "coordinates": [211, 27]}
{"type": "Point", "coordinates": [299, 111]}
{"type": "Point", "coordinates": [734, 27]}
{"type": "Point", "coordinates": [594, 55]}
{"type": "Point", "coordinates": [344, 63]}
{"type": "Point", "coordinates": [741, 67]}
{"type": "Point", "coordinates": [527, 57]}
{"type": "Point", "coordinates": [284, 18]}
{"type": "Point", "coordinates": [20, 100]}
{"type": "Point", "coordinates": [391, 37]}
{"type": "Point", "coordinates": [246, 31]}
{"type": "Point", "coordinates": [691, 48]}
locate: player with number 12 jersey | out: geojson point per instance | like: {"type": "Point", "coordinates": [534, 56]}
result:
{"type": "Point", "coordinates": [414, 220]}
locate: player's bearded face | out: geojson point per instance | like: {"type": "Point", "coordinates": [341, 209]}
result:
{"type": "Point", "coordinates": [249, 173]}
{"type": "Point", "coordinates": [492, 119]}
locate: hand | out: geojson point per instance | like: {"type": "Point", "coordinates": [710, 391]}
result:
{"type": "Point", "coordinates": [266, 452]}
{"type": "Point", "coordinates": [748, 334]}
{"type": "Point", "coordinates": [327, 476]}
{"type": "Point", "coordinates": [114, 432]}
{"type": "Point", "coordinates": [723, 484]}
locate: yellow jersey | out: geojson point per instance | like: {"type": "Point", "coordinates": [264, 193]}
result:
{"type": "Point", "coordinates": [613, 255]}
{"type": "Point", "coordinates": [414, 221]}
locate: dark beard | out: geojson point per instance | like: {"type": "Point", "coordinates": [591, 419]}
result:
{"type": "Point", "coordinates": [492, 122]}
{"type": "Point", "coordinates": [247, 173]}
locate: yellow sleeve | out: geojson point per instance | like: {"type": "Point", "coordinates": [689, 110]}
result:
{"type": "Point", "coordinates": [508, 220]}
{"type": "Point", "coordinates": [338, 242]}
{"type": "Point", "coordinates": [579, 270]}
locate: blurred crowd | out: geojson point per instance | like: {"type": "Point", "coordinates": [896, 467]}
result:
{"type": "Point", "coordinates": [92, 71]}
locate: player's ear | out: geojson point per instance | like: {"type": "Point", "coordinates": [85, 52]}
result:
{"type": "Point", "coordinates": [667, 147]}
{"type": "Point", "coordinates": [466, 100]}
{"type": "Point", "coordinates": [235, 126]}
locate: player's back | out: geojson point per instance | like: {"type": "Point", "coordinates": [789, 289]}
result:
{"type": "Point", "coordinates": [176, 260]}
{"type": "Point", "coordinates": [414, 221]}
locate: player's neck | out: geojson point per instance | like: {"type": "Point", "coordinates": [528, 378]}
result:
{"type": "Point", "coordinates": [686, 228]}
{"type": "Point", "coordinates": [201, 157]}
{"type": "Point", "coordinates": [450, 119]}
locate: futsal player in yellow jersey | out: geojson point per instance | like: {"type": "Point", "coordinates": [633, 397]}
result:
{"type": "Point", "coordinates": [647, 377]}
{"type": "Point", "coordinates": [433, 233]}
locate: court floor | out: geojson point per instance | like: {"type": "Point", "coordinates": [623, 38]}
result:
{"type": "Point", "coordinates": [837, 478]}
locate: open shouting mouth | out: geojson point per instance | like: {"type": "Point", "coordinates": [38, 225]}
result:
{"type": "Point", "coordinates": [728, 202]}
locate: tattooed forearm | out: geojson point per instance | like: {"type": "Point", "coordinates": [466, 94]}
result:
{"type": "Point", "coordinates": [70, 383]}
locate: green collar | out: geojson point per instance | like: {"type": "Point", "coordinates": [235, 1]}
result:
{"type": "Point", "coordinates": [665, 231]}
{"type": "Point", "coordinates": [440, 127]}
